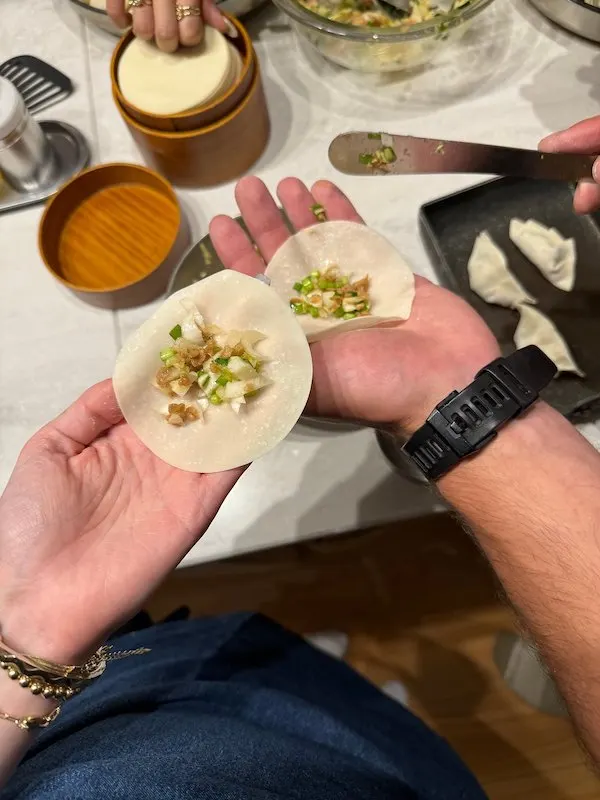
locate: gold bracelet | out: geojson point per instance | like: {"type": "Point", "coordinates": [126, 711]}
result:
{"type": "Point", "coordinates": [54, 688]}
{"type": "Point", "coordinates": [30, 723]}
{"type": "Point", "coordinates": [71, 676]}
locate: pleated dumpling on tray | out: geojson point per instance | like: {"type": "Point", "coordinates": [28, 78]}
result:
{"type": "Point", "coordinates": [548, 250]}
{"type": "Point", "coordinates": [536, 328]}
{"type": "Point", "coordinates": [341, 276]}
{"type": "Point", "coordinates": [490, 276]}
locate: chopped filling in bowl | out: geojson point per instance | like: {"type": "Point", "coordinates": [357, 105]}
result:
{"type": "Point", "coordinates": [205, 365]}
{"type": "Point", "coordinates": [372, 14]}
{"type": "Point", "coordinates": [328, 293]}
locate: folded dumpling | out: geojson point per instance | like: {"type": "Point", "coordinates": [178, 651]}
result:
{"type": "Point", "coordinates": [490, 277]}
{"type": "Point", "coordinates": [548, 250]}
{"type": "Point", "coordinates": [535, 328]}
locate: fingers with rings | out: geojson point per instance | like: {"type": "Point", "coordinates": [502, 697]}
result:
{"type": "Point", "coordinates": [166, 28]}
{"type": "Point", "coordinates": [189, 17]}
{"type": "Point", "coordinates": [142, 17]}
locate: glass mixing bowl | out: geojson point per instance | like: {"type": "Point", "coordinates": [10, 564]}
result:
{"type": "Point", "coordinates": [380, 49]}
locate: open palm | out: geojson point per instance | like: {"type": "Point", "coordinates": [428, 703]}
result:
{"type": "Point", "coordinates": [91, 522]}
{"type": "Point", "coordinates": [391, 374]}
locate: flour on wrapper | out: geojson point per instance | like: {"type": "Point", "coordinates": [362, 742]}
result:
{"type": "Point", "coordinates": [224, 439]}
{"type": "Point", "coordinates": [548, 250]}
{"type": "Point", "coordinates": [490, 277]}
{"type": "Point", "coordinates": [536, 328]}
{"type": "Point", "coordinates": [357, 251]}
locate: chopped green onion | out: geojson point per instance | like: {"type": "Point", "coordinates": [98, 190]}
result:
{"type": "Point", "coordinates": [170, 362]}
{"type": "Point", "coordinates": [350, 315]}
{"type": "Point", "coordinates": [298, 308]}
{"type": "Point", "coordinates": [314, 312]}
{"type": "Point", "coordinates": [223, 380]}
{"type": "Point", "coordinates": [341, 282]}
{"type": "Point", "coordinates": [307, 284]}
{"type": "Point", "coordinates": [374, 135]}
{"type": "Point", "coordinates": [165, 355]}
{"type": "Point", "coordinates": [222, 362]}
{"type": "Point", "coordinates": [315, 274]}
{"type": "Point", "coordinates": [319, 212]}
{"type": "Point", "coordinates": [203, 379]}
{"type": "Point", "coordinates": [297, 287]}
{"type": "Point", "coordinates": [252, 360]}
{"type": "Point", "coordinates": [339, 312]}
{"type": "Point", "coordinates": [389, 155]}
{"type": "Point", "coordinates": [324, 284]}
{"type": "Point", "coordinates": [215, 399]}
{"type": "Point", "coordinates": [175, 333]}
{"type": "Point", "coordinates": [365, 158]}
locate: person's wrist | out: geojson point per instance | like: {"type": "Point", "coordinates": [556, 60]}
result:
{"type": "Point", "coordinates": [20, 702]}
{"type": "Point", "coordinates": [526, 436]}
{"type": "Point", "coordinates": [431, 389]}
{"type": "Point", "coordinates": [59, 640]}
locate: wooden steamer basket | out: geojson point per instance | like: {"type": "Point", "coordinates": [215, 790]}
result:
{"type": "Point", "coordinates": [209, 145]}
{"type": "Point", "coordinates": [114, 251]}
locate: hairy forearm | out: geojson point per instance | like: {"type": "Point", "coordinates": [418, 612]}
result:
{"type": "Point", "coordinates": [532, 499]}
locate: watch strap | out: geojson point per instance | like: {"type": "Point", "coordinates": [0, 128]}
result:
{"type": "Point", "coordinates": [466, 421]}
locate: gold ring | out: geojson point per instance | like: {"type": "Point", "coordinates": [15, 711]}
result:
{"type": "Point", "coordinates": [181, 12]}
{"type": "Point", "coordinates": [138, 4]}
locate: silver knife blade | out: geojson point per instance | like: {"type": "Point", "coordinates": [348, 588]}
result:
{"type": "Point", "coordinates": [414, 155]}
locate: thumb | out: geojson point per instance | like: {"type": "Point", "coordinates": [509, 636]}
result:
{"type": "Point", "coordinates": [583, 137]}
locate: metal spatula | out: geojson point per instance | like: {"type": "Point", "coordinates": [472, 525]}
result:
{"type": "Point", "coordinates": [40, 84]}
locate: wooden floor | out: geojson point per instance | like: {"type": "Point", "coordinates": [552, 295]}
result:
{"type": "Point", "coordinates": [420, 606]}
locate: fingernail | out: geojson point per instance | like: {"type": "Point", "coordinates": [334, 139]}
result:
{"type": "Point", "coordinates": [231, 29]}
{"type": "Point", "coordinates": [596, 170]}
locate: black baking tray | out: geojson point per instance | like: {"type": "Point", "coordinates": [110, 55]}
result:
{"type": "Point", "coordinates": [449, 227]}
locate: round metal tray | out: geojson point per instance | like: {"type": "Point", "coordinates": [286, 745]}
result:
{"type": "Point", "coordinates": [576, 16]}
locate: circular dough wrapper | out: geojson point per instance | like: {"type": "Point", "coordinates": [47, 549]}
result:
{"type": "Point", "coordinates": [170, 83]}
{"type": "Point", "coordinates": [357, 251]}
{"type": "Point", "coordinates": [224, 439]}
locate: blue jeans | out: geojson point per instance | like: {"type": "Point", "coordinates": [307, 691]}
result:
{"type": "Point", "coordinates": [236, 708]}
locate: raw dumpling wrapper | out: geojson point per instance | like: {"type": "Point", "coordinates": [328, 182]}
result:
{"type": "Point", "coordinates": [356, 251]}
{"type": "Point", "coordinates": [224, 439]}
{"type": "Point", "coordinates": [535, 328]}
{"type": "Point", "coordinates": [171, 83]}
{"type": "Point", "coordinates": [490, 277]}
{"type": "Point", "coordinates": [551, 253]}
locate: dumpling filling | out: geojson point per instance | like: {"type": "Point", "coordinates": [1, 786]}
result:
{"type": "Point", "coordinates": [328, 293]}
{"type": "Point", "coordinates": [206, 366]}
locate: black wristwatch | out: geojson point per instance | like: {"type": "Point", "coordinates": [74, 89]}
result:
{"type": "Point", "coordinates": [467, 421]}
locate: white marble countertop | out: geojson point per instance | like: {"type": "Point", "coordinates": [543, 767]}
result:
{"type": "Point", "coordinates": [516, 78]}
